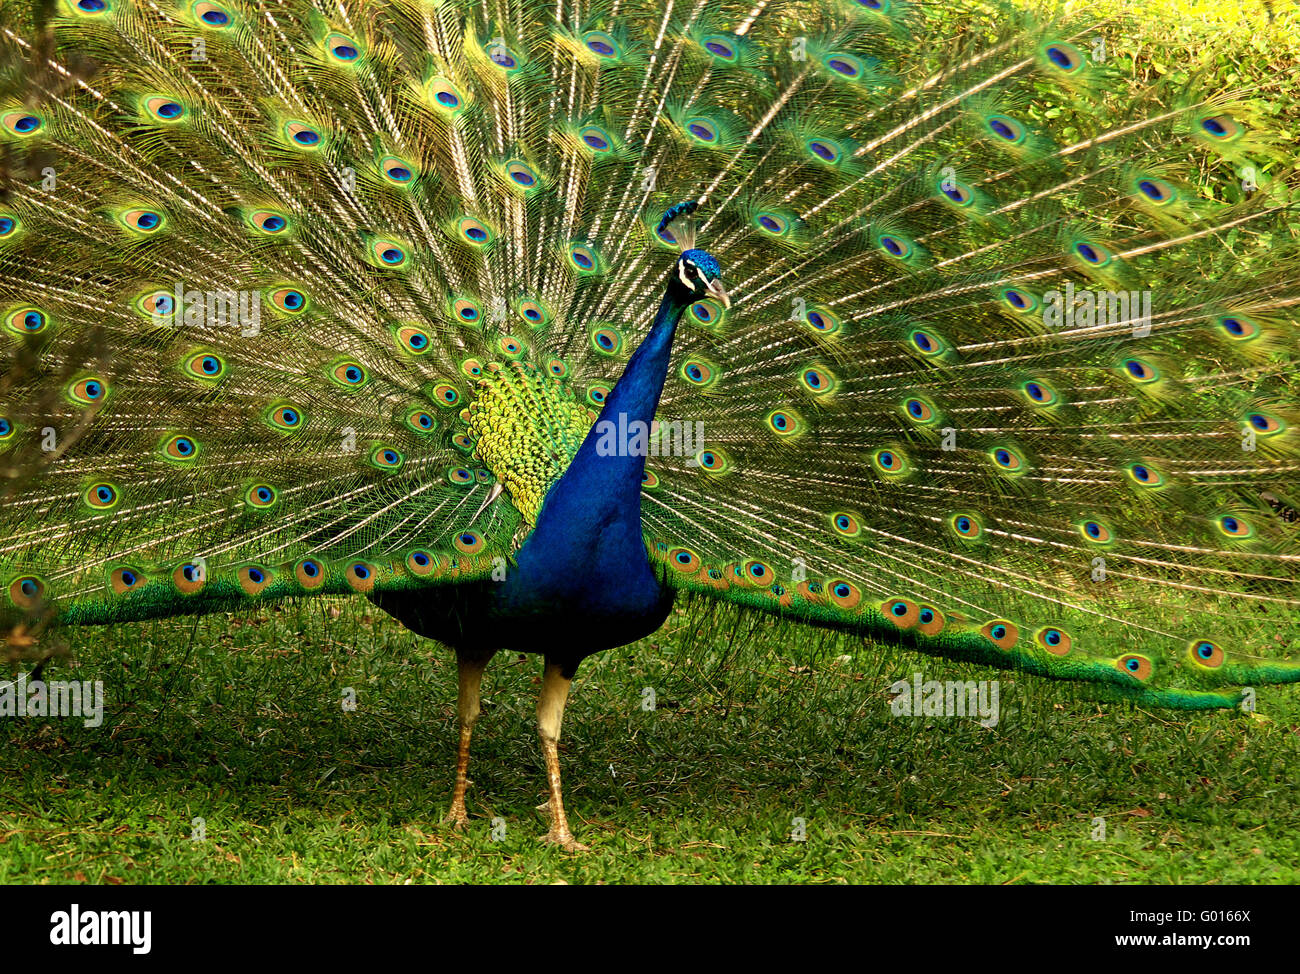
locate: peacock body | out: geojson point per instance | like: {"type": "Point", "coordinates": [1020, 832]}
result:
{"type": "Point", "coordinates": [398, 299]}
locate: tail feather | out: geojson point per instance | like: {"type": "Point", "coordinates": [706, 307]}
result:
{"type": "Point", "coordinates": [1007, 372]}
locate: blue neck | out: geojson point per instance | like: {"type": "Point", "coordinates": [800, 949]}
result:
{"type": "Point", "coordinates": [597, 488]}
{"type": "Point", "coordinates": [587, 544]}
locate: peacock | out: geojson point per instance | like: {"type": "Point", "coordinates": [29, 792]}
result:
{"type": "Point", "coordinates": [524, 320]}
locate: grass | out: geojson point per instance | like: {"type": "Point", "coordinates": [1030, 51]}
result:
{"type": "Point", "coordinates": [239, 721]}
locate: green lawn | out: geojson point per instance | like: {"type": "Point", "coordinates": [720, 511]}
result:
{"type": "Point", "coordinates": [239, 721]}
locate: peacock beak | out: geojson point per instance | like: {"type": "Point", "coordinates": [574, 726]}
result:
{"type": "Point", "coordinates": [716, 290]}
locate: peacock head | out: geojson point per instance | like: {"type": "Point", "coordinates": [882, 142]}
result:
{"type": "Point", "coordinates": [697, 275]}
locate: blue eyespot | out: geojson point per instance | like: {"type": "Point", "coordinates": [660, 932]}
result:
{"type": "Point", "coordinates": [1060, 58]}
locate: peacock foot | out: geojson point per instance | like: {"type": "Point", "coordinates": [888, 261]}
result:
{"type": "Point", "coordinates": [457, 817]}
{"type": "Point", "coordinates": [565, 840]}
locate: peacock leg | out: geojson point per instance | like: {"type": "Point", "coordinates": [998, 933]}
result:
{"type": "Point", "coordinates": [550, 714]}
{"type": "Point", "coordinates": [470, 673]}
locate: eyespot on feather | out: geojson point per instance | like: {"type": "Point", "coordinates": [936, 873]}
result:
{"type": "Point", "coordinates": [253, 579]}
{"type": "Point", "coordinates": [261, 497]}
{"type": "Point", "coordinates": [310, 573]}
{"type": "Point", "coordinates": [124, 580]}
{"type": "Point", "coordinates": [207, 366]}
{"type": "Point", "coordinates": [360, 576]}
{"type": "Point", "coordinates": [1136, 666]}
{"type": "Point", "coordinates": [189, 578]}
{"type": "Point", "coordinates": [101, 497]}
{"type": "Point", "coordinates": [1206, 653]}
{"type": "Point", "coordinates": [1055, 641]}
{"type": "Point", "coordinates": [349, 375]}
{"type": "Point", "coordinates": [930, 621]}
{"type": "Point", "coordinates": [26, 591]}
{"type": "Point", "coordinates": [1001, 633]}
{"type": "Point", "coordinates": [902, 613]}
{"type": "Point", "coordinates": [288, 299]}
{"type": "Point", "coordinates": [421, 563]}
{"type": "Point", "coordinates": [843, 594]}
{"type": "Point", "coordinates": [468, 542]}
